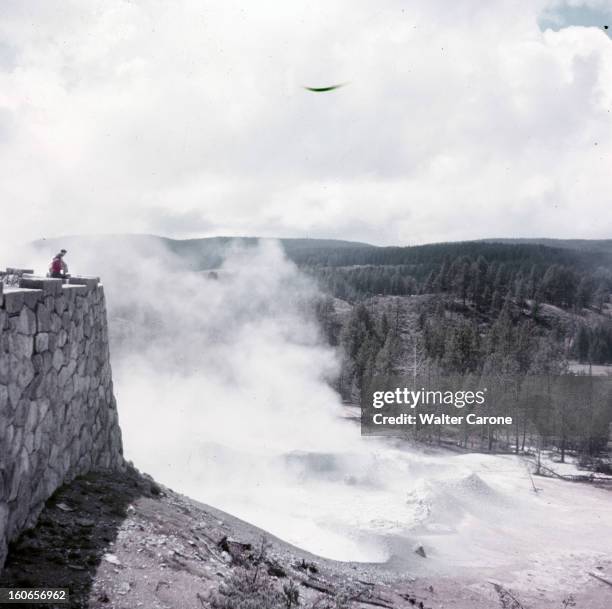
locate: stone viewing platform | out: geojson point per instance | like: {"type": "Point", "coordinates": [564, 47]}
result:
{"type": "Point", "coordinates": [19, 275]}
{"type": "Point", "coordinates": [58, 416]}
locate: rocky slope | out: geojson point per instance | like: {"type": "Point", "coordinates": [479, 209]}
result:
{"type": "Point", "coordinates": [122, 541]}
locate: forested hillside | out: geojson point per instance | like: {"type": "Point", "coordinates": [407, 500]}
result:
{"type": "Point", "coordinates": [502, 311]}
{"type": "Point", "coordinates": [488, 284]}
{"type": "Point", "coordinates": [473, 270]}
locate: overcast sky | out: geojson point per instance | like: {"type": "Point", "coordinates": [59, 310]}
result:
{"type": "Point", "coordinates": [460, 119]}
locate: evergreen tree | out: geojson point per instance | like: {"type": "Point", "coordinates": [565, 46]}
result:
{"type": "Point", "coordinates": [460, 278]}
{"type": "Point", "coordinates": [582, 344]}
{"type": "Point", "coordinates": [429, 284]}
{"type": "Point", "coordinates": [601, 297]}
{"type": "Point", "coordinates": [584, 293]}
{"type": "Point", "coordinates": [520, 291]}
{"type": "Point", "coordinates": [496, 301]}
{"type": "Point", "coordinates": [442, 280]}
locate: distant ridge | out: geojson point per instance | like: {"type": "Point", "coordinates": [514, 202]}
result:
{"type": "Point", "coordinates": [221, 239]}
{"type": "Point", "coordinates": [587, 245]}
{"type": "Point", "coordinates": [199, 253]}
{"type": "Point", "coordinates": [208, 252]}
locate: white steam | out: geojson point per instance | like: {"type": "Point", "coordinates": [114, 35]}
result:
{"type": "Point", "coordinates": [234, 360]}
{"type": "Point", "coordinates": [224, 393]}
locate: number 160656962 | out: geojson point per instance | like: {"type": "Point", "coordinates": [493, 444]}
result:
{"type": "Point", "coordinates": [34, 595]}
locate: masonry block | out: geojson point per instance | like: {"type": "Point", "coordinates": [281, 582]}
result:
{"type": "Point", "coordinates": [13, 300]}
{"type": "Point", "coordinates": [90, 282]}
{"type": "Point", "coordinates": [50, 287]}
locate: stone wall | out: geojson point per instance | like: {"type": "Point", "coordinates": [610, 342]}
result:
{"type": "Point", "coordinates": [58, 416]}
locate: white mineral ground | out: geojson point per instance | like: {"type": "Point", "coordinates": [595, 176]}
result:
{"type": "Point", "coordinates": [477, 516]}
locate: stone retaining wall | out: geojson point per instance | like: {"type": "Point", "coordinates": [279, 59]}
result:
{"type": "Point", "coordinates": [58, 416]}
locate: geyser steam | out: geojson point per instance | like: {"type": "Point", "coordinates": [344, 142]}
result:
{"type": "Point", "coordinates": [223, 385]}
{"type": "Point", "coordinates": [236, 361]}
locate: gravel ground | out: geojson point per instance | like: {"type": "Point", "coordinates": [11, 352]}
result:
{"type": "Point", "coordinates": [123, 541]}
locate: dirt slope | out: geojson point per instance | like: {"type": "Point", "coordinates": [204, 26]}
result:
{"type": "Point", "coordinates": [126, 542]}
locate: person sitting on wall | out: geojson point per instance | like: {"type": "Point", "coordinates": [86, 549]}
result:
{"type": "Point", "coordinates": [58, 268]}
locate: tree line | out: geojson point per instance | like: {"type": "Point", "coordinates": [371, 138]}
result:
{"type": "Point", "coordinates": [509, 349]}
{"type": "Point", "coordinates": [483, 282]}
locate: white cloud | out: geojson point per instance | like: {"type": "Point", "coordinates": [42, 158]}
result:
{"type": "Point", "coordinates": [460, 121]}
